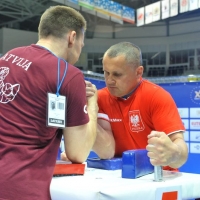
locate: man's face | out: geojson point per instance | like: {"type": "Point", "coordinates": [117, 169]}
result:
{"type": "Point", "coordinates": [120, 77]}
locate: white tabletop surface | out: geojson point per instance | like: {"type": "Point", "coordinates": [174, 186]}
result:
{"type": "Point", "coordinates": [97, 184]}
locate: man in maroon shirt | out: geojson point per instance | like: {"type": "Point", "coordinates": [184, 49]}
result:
{"type": "Point", "coordinates": [40, 92]}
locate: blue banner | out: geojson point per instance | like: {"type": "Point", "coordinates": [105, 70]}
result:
{"type": "Point", "coordinates": [187, 98]}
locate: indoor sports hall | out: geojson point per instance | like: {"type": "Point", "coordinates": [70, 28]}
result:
{"type": "Point", "coordinates": [168, 35]}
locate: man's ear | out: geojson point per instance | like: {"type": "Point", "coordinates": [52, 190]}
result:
{"type": "Point", "coordinates": [139, 71]}
{"type": "Point", "coordinates": [71, 38]}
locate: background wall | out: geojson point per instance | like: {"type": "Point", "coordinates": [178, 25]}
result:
{"type": "Point", "coordinates": [1, 41]}
{"type": "Point", "coordinates": [162, 36]}
{"type": "Point", "coordinates": [177, 34]}
{"type": "Point", "coordinates": [11, 38]}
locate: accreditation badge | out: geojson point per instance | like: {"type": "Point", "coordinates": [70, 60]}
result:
{"type": "Point", "coordinates": [56, 110]}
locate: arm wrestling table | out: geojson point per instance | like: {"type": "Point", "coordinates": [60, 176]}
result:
{"type": "Point", "coordinates": [97, 184]}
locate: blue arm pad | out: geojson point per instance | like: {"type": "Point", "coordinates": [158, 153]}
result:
{"type": "Point", "coordinates": [136, 163]}
{"type": "Point", "coordinates": [108, 164]}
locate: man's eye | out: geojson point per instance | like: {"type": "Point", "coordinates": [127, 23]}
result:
{"type": "Point", "coordinates": [117, 75]}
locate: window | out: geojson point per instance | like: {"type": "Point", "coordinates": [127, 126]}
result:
{"type": "Point", "coordinates": [90, 56]}
{"type": "Point", "coordinates": [185, 56]}
{"type": "Point", "coordinates": [149, 57]}
{"type": "Point", "coordinates": [178, 57]}
{"type": "Point", "coordinates": [198, 52]}
{"type": "Point", "coordinates": [172, 57]}
{"type": "Point", "coordinates": [98, 58]}
{"type": "Point", "coordinates": [191, 52]}
{"type": "Point", "coordinates": [163, 58]}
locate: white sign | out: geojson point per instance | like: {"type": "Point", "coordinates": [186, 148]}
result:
{"type": "Point", "coordinates": [183, 112]}
{"type": "Point", "coordinates": [156, 11]}
{"type": "Point", "coordinates": [183, 5]}
{"type": "Point", "coordinates": [173, 8]}
{"type": "Point", "coordinates": [194, 112]}
{"type": "Point", "coordinates": [193, 4]}
{"type": "Point", "coordinates": [140, 16]}
{"type": "Point", "coordinates": [165, 9]}
{"type": "Point", "coordinates": [195, 136]}
{"type": "Point", "coordinates": [195, 148]}
{"type": "Point", "coordinates": [195, 124]}
{"type": "Point", "coordinates": [148, 14]}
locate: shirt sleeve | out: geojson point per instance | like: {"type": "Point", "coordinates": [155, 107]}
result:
{"type": "Point", "coordinates": [76, 101]}
{"type": "Point", "coordinates": [101, 102]}
{"type": "Point", "coordinates": [165, 115]}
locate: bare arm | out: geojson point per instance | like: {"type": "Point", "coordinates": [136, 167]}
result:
{"type": "Point", "coordinates": [104, 145]}
{"type": "Point", "coordinates": [80, 139]}
{"type": "Point", "coordinates": [167, 150]}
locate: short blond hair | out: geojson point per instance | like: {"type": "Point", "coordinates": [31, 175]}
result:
{"type": "Point", "coordinates": [58, 20]}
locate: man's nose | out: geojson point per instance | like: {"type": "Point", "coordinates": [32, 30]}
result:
{"type": "Point", "coordinates": [110, 80]}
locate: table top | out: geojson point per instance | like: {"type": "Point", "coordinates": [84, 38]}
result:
{"type": "Point", "coordinates": [97, 184]}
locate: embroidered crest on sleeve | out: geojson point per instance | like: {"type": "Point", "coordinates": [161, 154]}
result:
{"type": "Point", "coordinates": [7, 90]}
{"type": "Point", "coordinates": [135, 121]}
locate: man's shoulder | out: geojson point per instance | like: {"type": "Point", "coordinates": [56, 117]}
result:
{"type": "Point", "coordinates": [75, 72]}
{"type": "Point", "coordinates": [152, 90]}
{"type": "Point", "coordinates": [150, 86]}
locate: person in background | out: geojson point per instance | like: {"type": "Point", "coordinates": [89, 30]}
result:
{"type": "Point", "coordinates": [135, 113]}
{"type": "Point", "coordinates": [42, 97]}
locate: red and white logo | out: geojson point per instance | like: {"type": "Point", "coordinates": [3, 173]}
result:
{"type": "Point", "coordinates": [135, 121]}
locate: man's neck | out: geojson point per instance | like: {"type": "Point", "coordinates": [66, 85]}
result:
{"type": "Point", "coordinates": [56, 46]}
{"type": "Point", "coordinates": [132, 91]}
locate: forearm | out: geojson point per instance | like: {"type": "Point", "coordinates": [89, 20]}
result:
{"type": "Point", "coordinates": [92, 128]}
{"type": "Point", "coordinates": [104, 145]}
{"type": "Point", "coordinates": [180, 153]}
{"type": "Point", "coordinates": [91, 132]}
{"type": "Point", "coordinates": [79, 140]}
{"type": "Point", "coordinates": [80, 143]}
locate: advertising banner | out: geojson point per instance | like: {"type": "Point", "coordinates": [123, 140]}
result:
{"type": "Point", "coordinates": [193, 4]}
{"type": "Point", "coordinates": [140, 16]}
{"type": "Point", "coordinates": [165, 9]}
{"type": "Point", "coordinates": [128, 14]}
{"type": "Point", "coordinates": [115, 11]}
{"type": "Point", "coordinates": [183, 6]}
{"type": "Point", "coordinates": [148, 14]}
{"type": "Point", "coordinates": [102, 6]}
{"type": "Point", "coordinates": [187, 98]}
{"type": "Point", "coordinates": [87, 4]}
{"type": "Point", "coordinates": [173, 8]}
{"type": "Point", "coordinates": [156, 11]}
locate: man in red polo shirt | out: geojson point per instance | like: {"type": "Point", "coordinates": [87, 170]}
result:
{"type": "Point", "coordinates": [135, 113]}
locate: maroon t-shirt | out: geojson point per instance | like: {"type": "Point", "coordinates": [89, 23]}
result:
{"type": "Point", "coordinates": [28, 148]}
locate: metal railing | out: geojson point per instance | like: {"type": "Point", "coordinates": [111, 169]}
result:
{"type": "Point", "coordinates": [167, 79]}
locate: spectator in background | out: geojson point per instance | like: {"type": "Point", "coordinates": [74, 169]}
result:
{"type": "Point", "coordinates": [29, 147]}
{"type": "Point", "coordinates": [135, 113]}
